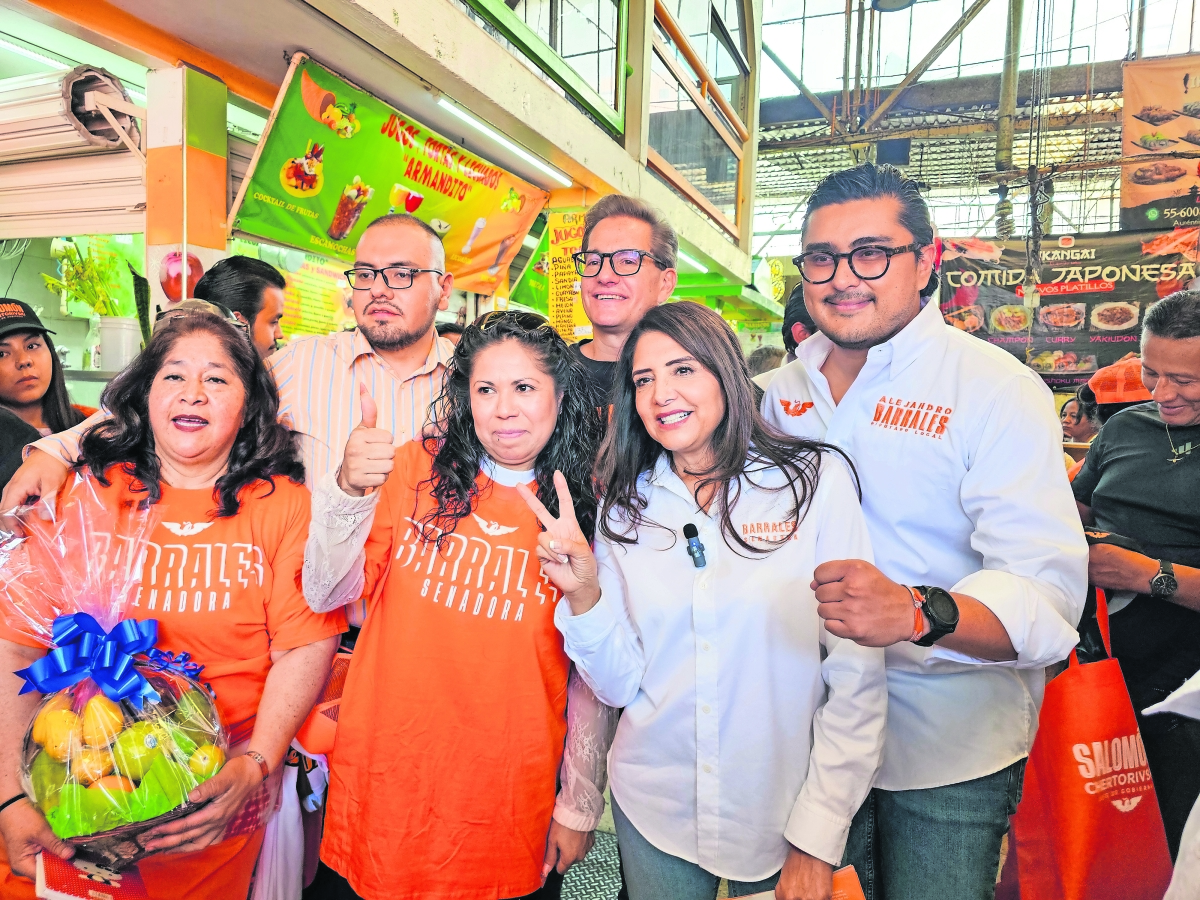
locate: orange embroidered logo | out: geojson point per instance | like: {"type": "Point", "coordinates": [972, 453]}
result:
{"type": "Point", "coordinates": [912, 416]}
{"type": "Point", "coordinates": [769, 532]}
{"type": "Point", "coordinates": [795, 407]}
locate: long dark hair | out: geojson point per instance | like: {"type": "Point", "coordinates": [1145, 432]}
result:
{"type": "Point", "coordinates": [457, 452]}
{"type": "Point", "coordinates": [743, 444]}
{"type": "Point", "coordinates": [261, 450]}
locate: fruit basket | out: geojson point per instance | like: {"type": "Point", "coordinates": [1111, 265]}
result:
{"type": "Point", "coordinates": [125, 730]}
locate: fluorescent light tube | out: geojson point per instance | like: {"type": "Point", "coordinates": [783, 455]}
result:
{"type": "Point", "coordinates": [505, 142]}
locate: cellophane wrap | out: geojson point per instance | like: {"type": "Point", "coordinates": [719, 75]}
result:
{"type": "Point", "coordinates": [125, 730]}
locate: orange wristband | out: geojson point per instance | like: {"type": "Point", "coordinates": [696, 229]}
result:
{"type": "Point", "coordinates": [919, 616]}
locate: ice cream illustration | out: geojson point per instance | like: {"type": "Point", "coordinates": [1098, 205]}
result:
{"type": "Point", "coordinates": [480, 224]}
{"type": "Point", "coordinates": [505, 243]}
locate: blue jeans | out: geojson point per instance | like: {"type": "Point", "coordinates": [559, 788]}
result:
{"type": "Point", "coordinates": [935, 844]}
{"type": "Point", "coordinates": [651, 874]}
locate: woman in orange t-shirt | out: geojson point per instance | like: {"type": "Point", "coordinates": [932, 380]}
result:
{"type": "Point", "coordinates": [203, 444]}
{"type": "Point", "coordinates": [450, 733]}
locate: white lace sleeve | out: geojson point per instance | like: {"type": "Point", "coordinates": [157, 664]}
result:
{"type": "Point", "coordinates": [590, 729]}
{"type": "Point", "coordinates": [333, 557]}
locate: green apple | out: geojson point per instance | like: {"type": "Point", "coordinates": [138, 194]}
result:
{"type": "Point", "coordinates": [194, 714]}
{"type": "Point", "coordinates": [47, 776]}
{"type": "Point", "coordinates": [136, 748]}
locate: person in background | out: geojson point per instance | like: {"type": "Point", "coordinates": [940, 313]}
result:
{"type": "Point", "coordinates": [797, 327]}
{"type": "Point", "coordinates": [1079, 419]}
{"type": "Point", "coordinates": [32, 384]}
{"type": "Point", "coordinates": [194, 432]}
{"type": "Point", "coordinates": [764, 359]}
{"type": "Point", "coordinates": [253, 290]}
{"type": "Point", "coordinates": [451, 331]}
{"type": "Point", "coordinates": [462, 702]}
{"type": "Point", "coordinates": [626, 268]}
{"type": "Point", "coordinates": [1141, 480]}
{"type": "Point", "coordinates": [981, 565]}
{"type": "Point", "coordinates": [1114, 388]}
{"type": "Point", "coordinates": [750, 733]}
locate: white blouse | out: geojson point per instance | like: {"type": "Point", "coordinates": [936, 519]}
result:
{"type": "Point", "coordinates": [746, 726]}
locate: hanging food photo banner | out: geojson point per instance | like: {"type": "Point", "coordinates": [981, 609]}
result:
{"type": "Point", "coordinates": [1094, 291]}
{"type": "Point", "coordinates": [1161, 113]}
{"type": "Point", "coordinates": [334, 158]}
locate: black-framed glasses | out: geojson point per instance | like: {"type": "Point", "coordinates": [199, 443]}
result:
{"type": "Point", "coordinates": [868, 263]}
{"type": "Point", "coordinates": [588, 263]}
{"type": "Point", "coordinates": [398, 278]}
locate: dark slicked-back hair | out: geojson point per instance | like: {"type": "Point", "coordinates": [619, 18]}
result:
{"type": "Point", "coordinates": [456, 447]}
{"type": "Point", "coordinates": [664, 244]}
{"type": "Point", "coordinates": [796, 312]}
{"type": "Point", "coordinates": [238, 283]}
{"type": "Point", "coordinates": [262, 449]}
{"type": "Point", "coordinates": [1175, 316]}
{"type": "Point", "coordinates": [742, 444]}
{"type": "Point", "coordinates": [872, 182]}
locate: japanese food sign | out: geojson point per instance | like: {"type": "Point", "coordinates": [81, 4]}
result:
{"type": "Point", "coordinates": [1094, 291]}
{"type": "Point", "coordinates": [1161, 115]}
{"type": "Point", "coordinates": [334, 158]}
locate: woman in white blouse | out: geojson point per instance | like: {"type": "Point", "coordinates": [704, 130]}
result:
{"type": "Point", "coordinates": [750, 734]}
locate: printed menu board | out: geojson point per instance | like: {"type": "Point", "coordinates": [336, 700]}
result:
{"type": "Point", "coordinates": [565, 230]}
{"type": "Point", "coordinates": [1094, 290]}
{"type": "Point", "coordinates": [1161, 113]}
{"type": "Point", "coordinates": [334, 158]}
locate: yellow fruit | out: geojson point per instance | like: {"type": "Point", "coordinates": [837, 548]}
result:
{"type": "Point", "coordinates": [62, 734]}
{"type": "Point", "coordinates": [57, 702]}
{"type": "Point", "coordinates": [112, 783]}
{"type": "Point", "coordinates": [207, 760]}
{"type": "Point", "coordinates": [102, 721]}
{"type": "Point", "coordinates": [90, 765]}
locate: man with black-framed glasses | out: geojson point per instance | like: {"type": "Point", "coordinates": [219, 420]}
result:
{"type": "Point", "coordinates": [626, 268]}
{"type": "Point", "coordinates": [980, 563]}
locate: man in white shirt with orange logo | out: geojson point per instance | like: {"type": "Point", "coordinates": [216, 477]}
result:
{"type": "Point", "coordinates": [981, 564]}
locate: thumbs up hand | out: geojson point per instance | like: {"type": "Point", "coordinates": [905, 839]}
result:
{"type": "Point", "coordinates": [370, 453]}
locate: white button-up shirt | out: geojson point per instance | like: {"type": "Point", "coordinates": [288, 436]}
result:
{"type": "Point", "coordinates": [959, 452]}
{"type": "Point", "coordinates": [746, 725]}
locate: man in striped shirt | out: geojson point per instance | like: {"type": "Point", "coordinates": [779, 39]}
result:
{"type": "Point", "coordinates": [400, 283]}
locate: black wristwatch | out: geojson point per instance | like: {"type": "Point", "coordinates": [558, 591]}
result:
{"type": "Point", "coordinates": [941, 611]}
{"type": "Point", "coordinates": [1164, 584]}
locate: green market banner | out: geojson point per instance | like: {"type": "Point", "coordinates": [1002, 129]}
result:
{"type": "Point", "coordinates": [1094, 290]}
{"type": "Point", "coordinates": [334, 158]}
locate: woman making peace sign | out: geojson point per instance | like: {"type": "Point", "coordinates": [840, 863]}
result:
{"type": "Point", "coordinates": [450, 733]}
{"type": "Point", "coordinates": [750, 734]}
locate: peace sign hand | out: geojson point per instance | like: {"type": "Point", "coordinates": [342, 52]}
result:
{"type": "Point", "coordinates": [562, 549]}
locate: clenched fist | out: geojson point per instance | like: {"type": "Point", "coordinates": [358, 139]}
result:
{"type": "Point", "coordinates": [859, 602]}
{"type": "Point", "coordinates": [370, 452]}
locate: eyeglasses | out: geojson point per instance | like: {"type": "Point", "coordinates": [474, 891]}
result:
{"type": "Point", "coordinates": [398, 278]}
{"type": "Point", "coordinates": [868, 263]}
{"type": "Point", "coordinates": [623, 262]}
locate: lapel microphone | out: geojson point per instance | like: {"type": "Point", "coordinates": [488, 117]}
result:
{"type": "Point", "coordinates": [695, 549]}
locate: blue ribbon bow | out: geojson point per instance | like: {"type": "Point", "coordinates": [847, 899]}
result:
{"type": "Point", "coordinates": [181, 663]}
{"type": "Point", "coordinates": [82, 649]}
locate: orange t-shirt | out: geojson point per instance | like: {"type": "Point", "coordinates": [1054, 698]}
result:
{"type": "Point", "coordinates": [227, 590]}
{"type": "Point", "coordinates": [451, 729]}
